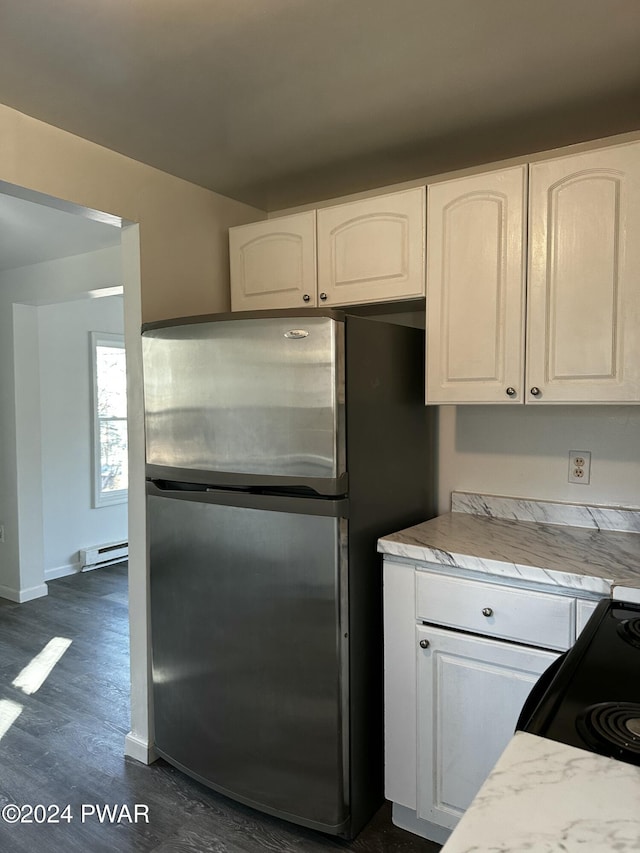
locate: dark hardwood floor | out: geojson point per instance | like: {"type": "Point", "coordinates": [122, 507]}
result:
{"type": "Point", "coordinates": [66, 747]}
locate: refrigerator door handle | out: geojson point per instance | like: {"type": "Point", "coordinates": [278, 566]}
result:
{"type": "Point", "coordinates": [330, 508]}
{"type": "Point", "coordinates": [325, 486]}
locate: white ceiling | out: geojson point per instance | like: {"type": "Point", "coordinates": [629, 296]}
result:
{"type": "Point", "coordinates": [280, 102]}
{"type": "Point", "coordinates": [31, 233]}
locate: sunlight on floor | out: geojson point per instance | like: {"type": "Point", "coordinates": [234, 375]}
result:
{"type": "Point", "coordinates": [9, 713]}
{"type": "Point", "coordinates": [37, 670]}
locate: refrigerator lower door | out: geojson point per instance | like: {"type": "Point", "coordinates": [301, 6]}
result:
{"type": "Point", "coordinates": [249, 651]}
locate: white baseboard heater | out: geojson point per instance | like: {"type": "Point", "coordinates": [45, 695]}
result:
{"type": "Point", "coordinates": [98, 556]}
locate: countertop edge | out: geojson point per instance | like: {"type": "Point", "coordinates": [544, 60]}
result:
{"type": "Point", "coordinates": [540, 791]}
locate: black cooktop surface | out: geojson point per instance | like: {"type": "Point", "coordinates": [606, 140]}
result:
{"type": "Point", "coordinates": [593, 700]}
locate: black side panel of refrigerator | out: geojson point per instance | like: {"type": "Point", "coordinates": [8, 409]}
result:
{"type": "Point", "coordinates": [391, 439]}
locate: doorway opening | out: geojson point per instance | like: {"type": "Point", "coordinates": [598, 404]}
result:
{"type": "Point", "coordinates": [65, 271]}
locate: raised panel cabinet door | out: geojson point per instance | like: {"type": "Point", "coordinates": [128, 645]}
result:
{"type": "Point", "coordinates": [475, 288]}
{"type": "Point", "coordinates": [372, 250]}
{"type": "Point", "coordinates": [584, 273]}
{"type": "Point", "coordinates": [470, 693]}
{"type": "Point", "coordinates": [273, 263]}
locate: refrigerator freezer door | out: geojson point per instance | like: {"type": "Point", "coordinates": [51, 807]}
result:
{"type": "Point", "coordinates": [249, 397]}
{"type": "Point", "coordinates": [249, 653]}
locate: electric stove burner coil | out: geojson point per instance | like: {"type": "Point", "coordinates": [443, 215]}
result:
{"type": "Point", "coordinates": [612, 728]}
{"type": "Point", "coordinates": [629, 630]}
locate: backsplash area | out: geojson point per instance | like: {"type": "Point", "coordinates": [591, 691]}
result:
{"type": "Point", "coordinates": [532, 541]}
{"type": "Point", "coordinates": [621, 519]}
{"type": "Point", "coordinates": [523, 451]}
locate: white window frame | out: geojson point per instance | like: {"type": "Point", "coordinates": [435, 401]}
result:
{"type": "Point", "coordinates": [117, 496]}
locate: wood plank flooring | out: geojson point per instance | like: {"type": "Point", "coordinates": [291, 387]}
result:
{"type": "Point", "coordinates": [66, 747]}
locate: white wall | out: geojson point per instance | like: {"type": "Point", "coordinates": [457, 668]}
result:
{"type": "Point", "coordinates": [22, 553]}
{"type": "Point", "coordinates": [23, 292]}
{"type": "Point", "coordinates": [70, 522]}
{"type": "Point", "coordinates": [523, 451]}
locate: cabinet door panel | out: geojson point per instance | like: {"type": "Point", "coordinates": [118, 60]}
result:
{"type": "Point", "coordinates": [475, 288]}
{"type": "Point", "coordinates": [470, 693]}
{"type": "Point", "coordinates": [584, 299]}
{"type": "Point", "coordinates": [273, 263]}
{"type": "Point", "coordinates": [372, 250]}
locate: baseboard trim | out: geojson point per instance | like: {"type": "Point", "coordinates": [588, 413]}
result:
{"type": "Point", "coordinates": [139, 749]}
{"type": "Point", "coordinates": [62, 571]}
{"type": "Point", "coordinates": [9, 594]}
{"type": "Point", "coordinates": [22, 595]}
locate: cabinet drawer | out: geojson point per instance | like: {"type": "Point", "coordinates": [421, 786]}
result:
{"type": "Point", "coordinates": [536, 618]}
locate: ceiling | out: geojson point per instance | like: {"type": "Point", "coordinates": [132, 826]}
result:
{"type": "Point", "coordinates": [31, 233]}
{"type": "Point", "coordinates": [285, 102]}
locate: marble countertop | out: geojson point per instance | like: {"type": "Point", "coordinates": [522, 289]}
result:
{"type": "Point", "coordinates": [506, 537]}
{"type": "Point", "coordinates": [547, 797]}
{"type": "Point", "coordinates": [542, 796]}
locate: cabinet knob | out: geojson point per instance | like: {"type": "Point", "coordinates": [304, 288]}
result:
{"type": "Point", "coordinates": [306, 297]}
{"type": "Point", "coordinates": [511, 391]}
{"type": "Point", "coordinates": [487, 611]}
{"type": "Point", "coordinates": [323, 296]}
{"type": "Point", "coordinates": [424, 644]}
{"type": "Point", "coordinates": [536, 392]}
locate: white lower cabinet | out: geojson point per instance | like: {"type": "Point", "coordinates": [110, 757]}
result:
{"type": "Point", "coordinates": [470, 691]}
{"type": "Point", "coordinates": [461, 657]}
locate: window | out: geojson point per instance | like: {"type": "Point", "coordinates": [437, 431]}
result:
{"type": "Point", "coordinates": [110, 468]}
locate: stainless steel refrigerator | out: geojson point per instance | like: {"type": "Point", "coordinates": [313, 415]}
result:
{"type": "Point", "coordinates": [279, 447]}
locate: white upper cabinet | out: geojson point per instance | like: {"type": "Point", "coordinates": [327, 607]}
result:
{"type": "Point", "coordinates": [367, 251]}
{"type": "Point", "coordinates": [580, 294]}
{"type": "Point", "coordinates": [584, 278]}
{"type": "Point", "coordinates": [273, 263]}
{"type": "Point", "coordinates": [372, 250]}
{"type": "Point", "coordinates": [475, 288]}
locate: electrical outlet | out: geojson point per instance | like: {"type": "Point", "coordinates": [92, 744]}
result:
{"type": "Point", "coordinates": [580, 466]}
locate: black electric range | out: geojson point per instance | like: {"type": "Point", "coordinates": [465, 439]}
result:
{"type": "Point", "coordinates": [590, 697]}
